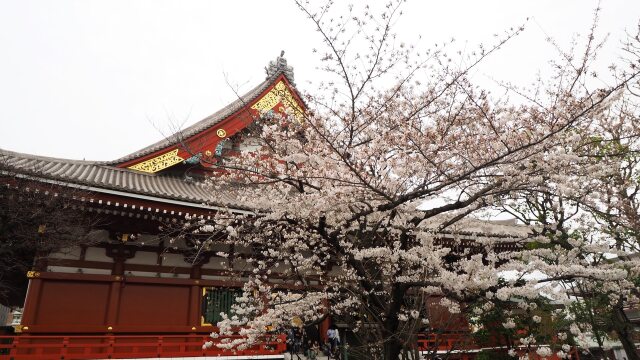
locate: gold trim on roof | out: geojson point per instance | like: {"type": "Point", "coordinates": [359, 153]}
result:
{"type": "Point", "coordinates": [159, 162]}
{"type": "Point", "coordinates": [279, 94]}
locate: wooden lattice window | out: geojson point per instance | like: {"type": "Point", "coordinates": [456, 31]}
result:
{"type": "Point", "coordinates": [216, 301]}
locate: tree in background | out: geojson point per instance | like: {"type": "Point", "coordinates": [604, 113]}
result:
{"type": "Point", "coordinates": [368, 204]}
{"type": "Point", "coordinates": [588, 210]}
{"type": "Point", "coordinates": [36, 219]}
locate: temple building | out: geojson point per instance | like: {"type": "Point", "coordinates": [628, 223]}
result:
{"type": "Point", "coordinates": [124, 291]}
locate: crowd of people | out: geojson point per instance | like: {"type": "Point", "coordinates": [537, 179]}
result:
{"type": "Point", "coordinates": [307, 341]}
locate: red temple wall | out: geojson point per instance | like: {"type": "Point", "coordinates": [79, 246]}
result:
{"type": "Point", "coordinates": [147, 304]}
{"type": "Point", "coordinates": [72, 303]}
{"type": "Point", "coordinates": [81, 303]}
{"type": "Point", "coordinates": [440, 318]}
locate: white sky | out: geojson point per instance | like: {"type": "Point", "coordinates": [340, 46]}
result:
{"type": "Point", "coordinates": [99, 79]}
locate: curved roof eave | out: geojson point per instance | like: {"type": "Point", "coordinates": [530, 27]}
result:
{"type": "Point", "coordinates": [205, 123]}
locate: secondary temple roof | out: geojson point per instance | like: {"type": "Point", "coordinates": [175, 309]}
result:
{"type": "Point", "coordinates": [96, 176]}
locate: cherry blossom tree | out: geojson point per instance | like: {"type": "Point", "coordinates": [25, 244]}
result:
{"type": "Point", "coordinates": [369, 206]}
{"type": "Point", "coordinates": [587, 209]}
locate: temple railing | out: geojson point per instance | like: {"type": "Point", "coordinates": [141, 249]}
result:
{"type": "Point", "coordinates": [460, 346]}
{"type": "Point", "coordinates": [25, 347]}
{"type": "Point", "coordinates": [448, 341]}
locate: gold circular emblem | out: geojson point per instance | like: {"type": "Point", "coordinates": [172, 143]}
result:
{"type": "Point", "coordinates": [221, 133]}
{"type": "Point", "coordinates": [208, 153]}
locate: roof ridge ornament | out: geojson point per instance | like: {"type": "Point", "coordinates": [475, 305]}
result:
{"type": "Point", "coordinates": [279, 66]}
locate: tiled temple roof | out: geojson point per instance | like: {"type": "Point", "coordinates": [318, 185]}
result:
{"type": "Point", "coordinates": [96, 175]}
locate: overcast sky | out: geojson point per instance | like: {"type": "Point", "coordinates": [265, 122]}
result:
{"type": "Point", "coordinates": [100, 79]}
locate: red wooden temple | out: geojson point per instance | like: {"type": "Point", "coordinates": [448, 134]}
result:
{"type": "Point", "coordinates": [126, 292]}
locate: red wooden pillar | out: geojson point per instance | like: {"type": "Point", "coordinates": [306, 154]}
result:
{"type": "Point", "coordinates": [195, 297]}
{"type": "Point", "coordinates": [194, 304]}
{"type": "Point", "coordinates": [324, 325]}
{"type": "Point", "coordinates": [113, 302]}
{"type": "Point", "coordinates": [119, 253]}
{"type": "Point", "coordinates": [33, 298]}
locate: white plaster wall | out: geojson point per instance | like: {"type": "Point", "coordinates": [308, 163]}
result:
{"type": "Point", "coordinates": [65, 269]}
{"type": "Point", "coordinates": [156, 275]}
{"type": "Point", "coordinates": [176, 244]}
{"type": "Point", "coordinates": [224, 278]}
{"type": "Point", "coordinates": [97, 236]}
{"type": "Point", "coordinates": [97, 254]}
{"type": "Point", "coordinates": [216, 263]}
{"type": "Point", "coordinates": [242, 249]}
{"type": "Point", "coordinates": [72, 253]}
{"type": "Point", "coordinates": [145, 239]}
{"type": "Point", "coordinates": [220, 247]}
{"type": "Point", "coordinates": [281, 268]}
{"type": "Point", "coordinates": [174, 260]}
{"type": "Point", "coordinates": [242, 265]}
{"type": "Point", "coordinates": [144, 258]}
{"type": "Point", "coordinates": [335, 271]}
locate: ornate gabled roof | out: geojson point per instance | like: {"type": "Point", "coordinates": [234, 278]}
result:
{"type": "Point", "coordinates": [142, 172]}
{"type": "Point", "coordinates": [200, 126]}
{"type": "Point", "coordinates": [276, 92]}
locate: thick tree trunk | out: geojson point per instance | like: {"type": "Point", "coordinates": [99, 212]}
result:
{"type": "Point", "coordinates": [392, 344]}
{"type": "Point", "coordinates": [392, 349]}
{"type": "Point", "coordinates": [623, 329]}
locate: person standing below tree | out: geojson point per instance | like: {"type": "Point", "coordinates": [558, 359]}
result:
{"type": "Point", "coordinates": [333, 336]}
